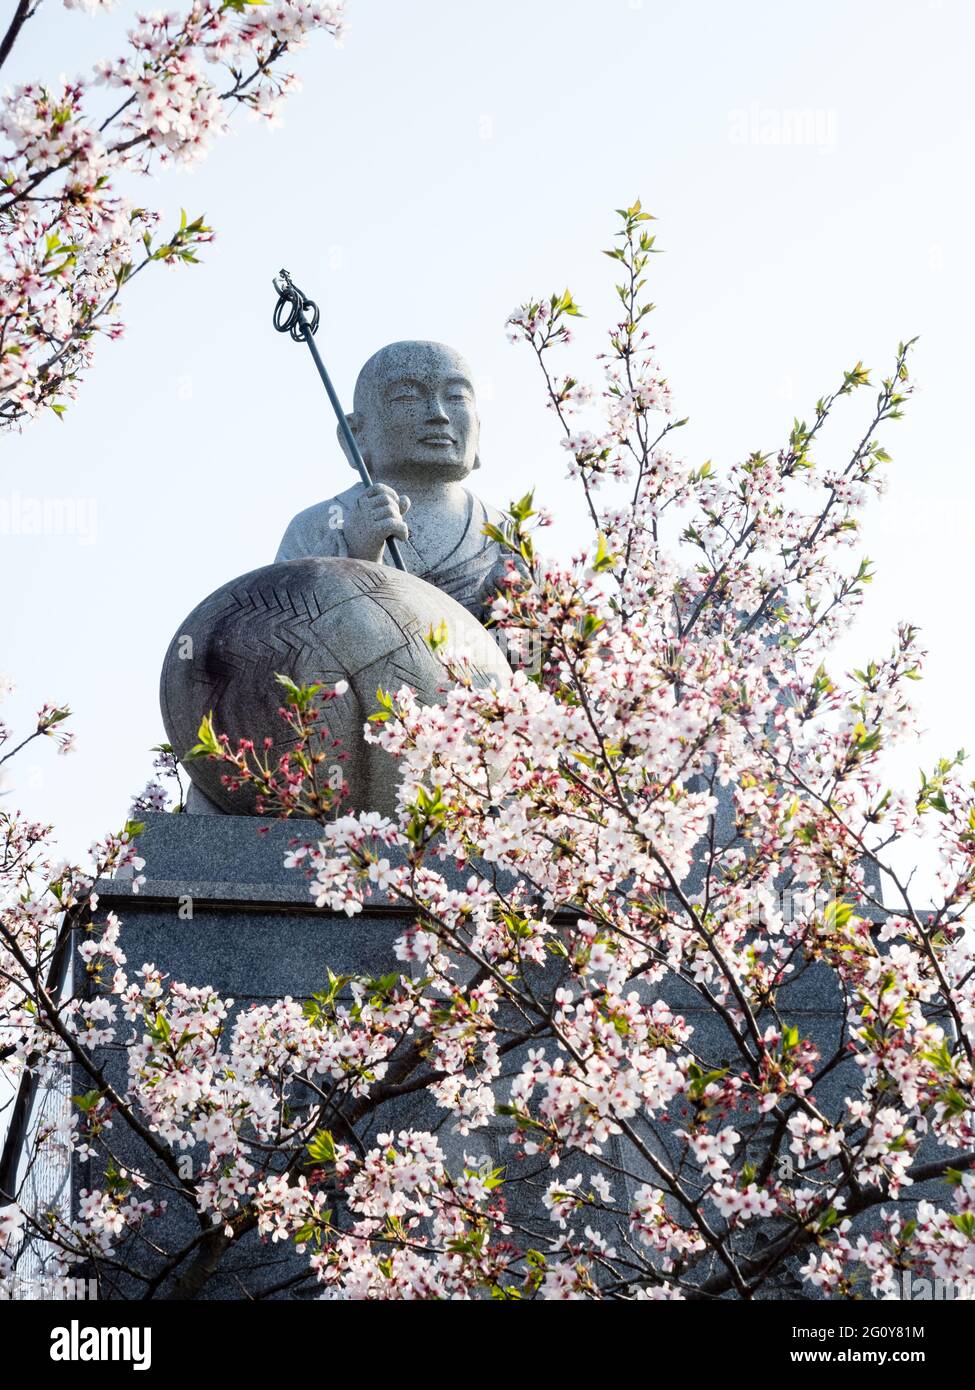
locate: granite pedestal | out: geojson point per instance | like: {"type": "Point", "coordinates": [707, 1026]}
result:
{"type": "Point", "coordinates": [254, 934]}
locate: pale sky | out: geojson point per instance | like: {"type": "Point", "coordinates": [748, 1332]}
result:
{"type": "Point", "coordinates": [449, 161]}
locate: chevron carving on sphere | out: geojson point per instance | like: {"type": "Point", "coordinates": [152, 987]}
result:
{"type": "Point", "coordinates": [314, 620]}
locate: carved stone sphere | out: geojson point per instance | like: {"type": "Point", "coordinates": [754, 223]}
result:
{"type": "Point", "coordinates": [319, 619]}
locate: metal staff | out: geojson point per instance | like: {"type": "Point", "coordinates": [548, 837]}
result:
{"type": "Point", "coordinates": [290, 317]}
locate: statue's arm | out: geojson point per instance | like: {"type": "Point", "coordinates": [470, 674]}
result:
{"type": "Point", "coordinates": [290, 547]}
{"type": "Point", "coordinates": [311, 533]}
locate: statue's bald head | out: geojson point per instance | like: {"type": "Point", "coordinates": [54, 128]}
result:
{"type": "Point", "coordinates": [415, 416]}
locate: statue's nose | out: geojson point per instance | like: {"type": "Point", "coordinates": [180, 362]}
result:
{"type": "Point", "coordinates": [436, 411]}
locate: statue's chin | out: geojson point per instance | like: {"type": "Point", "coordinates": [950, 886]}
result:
{"type": "Point", "coordinates": [434, 466]}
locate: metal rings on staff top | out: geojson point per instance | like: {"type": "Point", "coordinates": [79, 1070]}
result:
{"type": "Point", "coordinates": [291, 307]}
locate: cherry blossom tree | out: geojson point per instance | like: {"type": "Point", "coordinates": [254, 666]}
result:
{"type": "Point", "coordinates": [71, 239]}
{"type": "Point", "coordinates": [680, 814]}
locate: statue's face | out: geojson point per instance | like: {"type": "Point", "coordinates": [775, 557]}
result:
{"type": "Point", "coordinates": [415, 413]}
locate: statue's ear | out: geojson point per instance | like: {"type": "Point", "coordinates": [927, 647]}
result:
{"type": "Point", "coordinates": [477, 445]}
{"type": "Point", "coordinates": [355, 426]}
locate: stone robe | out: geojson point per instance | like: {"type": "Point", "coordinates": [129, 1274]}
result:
{"type": "Point", "coordinates": [469, 573]}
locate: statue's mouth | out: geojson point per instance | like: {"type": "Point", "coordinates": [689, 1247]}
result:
{"type": "Point", "coordinates": [438, 440]}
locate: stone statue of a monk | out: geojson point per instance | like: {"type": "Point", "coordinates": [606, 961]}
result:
{"type": "Point", "coordinates": [415, 421]}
